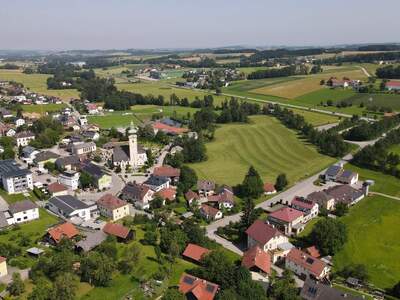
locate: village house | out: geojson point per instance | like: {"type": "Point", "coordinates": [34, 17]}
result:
{"type": "Point", "coordinates": [269, 188]}
{"type": "Point", "coordinates": [5, 113]}
{"type": "Point", "coordinates": [57, 189]}
{"type": "Point", "coordinates": [29, 154]}
{"type": "Point", "coordinates": [91, 135]}
{"type": "Point", "coordinates": [323, 199]}
{"type": "Point", "coordinates": [168, 194]}
{"type": "Point", "coordinates": [345, 194]}
{"type": "Point", "coordinates": [309, 208]}
{"type": "Point", "coordinates": [347, 177]}
{"type": "Point", "coordinates": [138, 194]}
{"type": "Point", "coordinates": [333, 172]}
{"type": "Point", "coordinates": [316, 290]}
{"type": "Point", "coordinates": [69, 207]}
{"type": "Point", "coordinates": [206, 187]}
{"type": "Point", "coordinates": [43, 157]}
{"type": "Point", "coordinates": [269, 239]}
{"type": "Point", "coordinates": [313, 251]}
{"type": "Point", "coordinates": [257, 261]}
{"type": "Point", "coordinates": [167, 129]}
{"type": "Point", "coordinates": [22, 211]}
{"type": "Point", "coordinates": [288, 220]}
{"type": "Point", "coordinates": [192, 197]}
{"type": "Point", "coordinates": [305, 265]}
{"type": "Point", "coordinates": [63, 231]}
{"type": "Point", "coordinates": [13, 178]}
{"type": "Point", "coordinates": [196, 288]}
{"type": "Point", "coordinates": [83, 148]}
{"type": "Point", "coordinates": [92, 109]}
{"type": "Point", "coordinates": [24, 138]}
{"type": "Point", "coordinates": [113, 207]}
{"type": "Point", "coordinates": [70, 179]}
{"type": "Point", "coordinates": [157, 183]}
{"type": "Point", "coordinates": [101, 179]}
{"type": "Point", "coordinates": [71, 162]}
{"type": "Point", "coordinates": [223, 198]}
{"type": "Point", "coordinates": [210, 213]}
{"type": "Point", "coordinates": [122, 233]}
{"type": "Point", "coordinates": [90, 241]}
{"type": "Point", "coordinates": [168, 172]}
{"type": "Point", "coordinates": [19, 122]}
{"type": "Point", "coordinates": [195, 252]}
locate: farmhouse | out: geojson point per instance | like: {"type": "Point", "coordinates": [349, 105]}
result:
{"type": "Point", "coordinates": [206, 187]}
{"type": "Point", "coordinates": [224, 199]}
{"type": "Point", "coordinates": [168, 194]}
{"type": "Point", "coordinates": [191, 197]}
{"type": "Point", "coordinates": [333, 172]}
{"type": "Point", "coordinates": [71, 162]}
{"type": "Point", "coordinates": [112, 207]}
{"type": "Point", "coordinates": [196, 288]}
{"type": "Point", "coordinates": [269, 188]}
{"type": "Point", "coordinates": [348, 177]}
{"type": "Point", "coordinates": [138, 194]}
{"type": "Point", "coordinates": [257, 260]}
{"type": "Point", "coordinates": [69, 207]}
{"type": "Point", "coordinates": [305, 265]}
{"type": "Point", "coordinates": [288, 220]}
{"type": "Point", "coordinates": [345, 194]}
{"type": "Point", "coordinates": [57, 189]}
{"type": "Point", "coordinates": [309, 208]}
{"type": "Point", "coordinates": [23, 138]}
{"type": "Point", "coordinates": [13, 178]}
{"type": "Point", "coordinates": [323, 199]}
{"type": "Point", "coordinates": [195, 252]}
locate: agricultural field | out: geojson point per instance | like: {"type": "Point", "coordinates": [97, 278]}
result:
{"type": "Point", "coordinates": [144, 112]}
{"type": "Point", "coordinates": [316, 119]}
{"type": "Point", "coordinates": [37, 83]}
{"type": "Point", "coordinates": [373, 240]}
{"type": "Point", "coordinates": [260, 143]}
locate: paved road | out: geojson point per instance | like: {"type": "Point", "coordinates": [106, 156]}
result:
{"type": "Point", "coordinates": [365, 71]}
{"type": "Point", "coordinates": [326, 126]}
{"type": "Point", "coordinates": [385, 195]}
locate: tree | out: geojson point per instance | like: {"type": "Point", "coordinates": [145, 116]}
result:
{"type": "Point", "coordinates": [329, 235]}
{"type": "Point", "coordinates": [85, 180]}
{"type": "Point", "coordinates": [173, 294]}
{"type": "Point", "coordinates": [194, 150]}
{"type": "Point", "coordinates": [252, 185]}
{"type": "Point", "coordinates": [284, 288]}
{"type": "Point", "coordinates": [43, 290]}
{"type": "Point", "coordinates": [65, 287]}
{"type": "Point", "coordinates": [50, 166]}
{"type": "Point", "coordinates": [130, 259]}
{"type": "Point", "coordinates": [396, 290]}
{"type": "Point", "coordinates": [358, 271]}
{"type": "Point", "coordinates": [17, 286]}
{"type": "Point", "coordinates": [96, 268]}
{"type": "Point", "coordinates": [250, 214]}
{"type": "Point", "coordinates": [341, 209]}
{"type": "Point", "coordinates": [157, 202]}
{"type": "Point", "coordinates": [188, 179]}
{"type": "Point", "coordinates": [150, 237]}
{"type": "Point", "coordinates": [281, 182]}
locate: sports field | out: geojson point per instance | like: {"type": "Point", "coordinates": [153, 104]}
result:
{"type": "Point", "coordinates": [373, 240]}
{"type": "Point", "coordinates": [267, 145]}
{"type": "Point", "coordinates": [37, 83]}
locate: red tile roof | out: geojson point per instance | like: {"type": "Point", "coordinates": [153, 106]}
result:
{"type": "Point", "coordinates": [169, 129]}
{"type": "Point", "coordinates": [262, 232]}
{"type": "Point", "coordinates": [117, 230]}
{"type": "Point", "coordinates": [201, 289]}
{"type": "Point", "coordinates": [56, 187]}
{"type": "Point", "coordinates": [111, 202]}
{"type": "Point", "coordinates": [66, 230]}
{"type": "Point", "coordinates": [195, 252]}
{"type": "Point", "coordinates": [255, 257]}
{"type": "Point", "coordinates": [209, 210]}
{"type": "Point", "coordinates": [313, 251]}
{"type": "Point", "coordinates": [393, 83]}
{"type": "Point", "coordinates": [286, 214]}
{"type": "Point", "coordinates": [166, 171]}
{"type": "Point", "coordinates": [168, 193]}
{"type": "Point", "coordinates": [221, 198]}
{"type": "Point", "coordinates": [2, 259]}
{"type": "Point", "coordinates": [269, 187]}
{"type": "Point", "coordinates": [189, 195]}
{"type": "Point", "coordinates": [312, 264]}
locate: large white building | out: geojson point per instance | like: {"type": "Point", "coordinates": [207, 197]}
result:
{"type": "Point", "coordinates": [13, 178]}
{"type": "Point", "coordinates": [23, 138]}
{"type": "Point", "coordinates": [70, 179]}
{"type": "Point", "coordinates": [22, 211]}
{"type": "Point", "coordinates": [70, 207]}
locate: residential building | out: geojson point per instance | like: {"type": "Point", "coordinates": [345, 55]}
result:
{"type": "Point", "coordinates": [347, 177]}
{"type": "Point", "coordinates": [309, 208]}
{"type": "Point", "coordinates": [68, 207]}
{"type": "Point", "coordinates": [223, 199]}
{"type": "Point", "coordinates": [29, 154]}
{"type": "Point", "coordinates": [24, 138]}
{"type": "Point", "coordinates": [305, 265]}
{"type": "Point", "coordinates": [210, 213]}
{"type": "Point", "coordinates": [168, 172]}
{"type": "Point", "coordinates": [19, 122]}
{"type": "Point", "coordinates": [90, 241]}
{"type": "Point", "coordinates": [23, 211]}
{"type": "Point", "coordinates": [257, 260]}
{"type": "Point", "coordinates": [91, 135]}
{"type": "Point", "coordinates": [43, 157]}
{"type": "Point", "coordinates": [269, 239]}
{"type": "Point", "coordinates": [333, 172]}
{"type": "Point", "coordinates": [13, 178]}
{"type": "Point", "coordinates": [113, 207]}
{"type": "Point", "coordinates": [157, 183]}
{"type": "Point", "coordinates": [167, 129]}
{"type": "Point", "coordinates": [313, 251]}
{"type": "Point", "coordinates": [83, 148]}
{"type": "Point", "coordinates": [196, 288]}
{"type": "Point", "coordinates": [92, 109]}
{"type": "Point", "coordinates": [122, 233]}
{"type": "Point", "coordinates": [393, 85]}
{"type": "Point", "coordinates": [315, 290]}
{"type": "Point", "coordinates": [191, 197]}
{"type": "Point", "coordinates": [195, 252]}
{"type": "Point", "coordinates": [71, 162]}
{"type": "Point", "coordinates": [345, 194]}
{"type": "Point", "coordinates": [138, 194]}
{"type": "Point", "coordinates": [269, 188]}
{"type": "Point", "coordinates": [288, 220]}
{"type": "Point", "coordinates": [69, 179]}
{"type": "Point", "coordinates": [168, 194]}
{"type": "Point", "coordinates": [206, 187]}
{"type": "Point", "coordinates": [57, 189]}
{"type": "Point", "coordinates": [3, 266]}
{"type": "Point", "coordinates": [5, 113]}
{"type": "Point", "coordinates": [323, 199]}
{"type": "Point", "coordinates": [101, 179]}
{"type": "Point", "coordinates": [63, 231]}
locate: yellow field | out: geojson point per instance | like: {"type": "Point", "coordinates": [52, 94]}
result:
{"type": "Point", "coordinates": [310, 83]}
{"type": "Point", "coordinates": [36, 83]}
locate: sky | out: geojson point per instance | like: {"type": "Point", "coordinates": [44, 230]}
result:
{"type": "Point", "coordinates": [145, 24]}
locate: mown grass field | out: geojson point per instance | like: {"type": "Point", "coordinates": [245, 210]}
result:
{"type": "Point", "coordinates": [43, 108]}
{"type": "Point", "coordinates": [373, 240]}
{"type": "Point", "coordinates": [37, 83]}
{"type": "Point", "coordinates": [316, 119]}
{"type": "Point", "coordinates": [267, 145]}
{"type": "Point", "coordinates": [144, 112]}
{"type": "Point", "coordinates": [114, 119]}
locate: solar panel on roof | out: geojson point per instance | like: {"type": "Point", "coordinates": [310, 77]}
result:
{"type": "Point", "coordinates": [309, 260]}
{"type": "Point", "coordinates": [210, 288]}
{"type": "Point", "coordinates": [188, 280]}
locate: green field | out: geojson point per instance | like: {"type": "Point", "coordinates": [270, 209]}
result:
{"type": "Point", "coordinates": [37, 83]}
{"type": "Point", "coordinates": [267, 145]}
{"type": "Point", "coordinates": [144, 112]}
{"type": "Point", "coordinates": [316, 119]}
{"type": "Point", "coordinates": [43, 108]}
{"type": "Point", "coordinates": [373, 240]}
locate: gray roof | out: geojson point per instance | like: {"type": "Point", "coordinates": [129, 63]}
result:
{"type": "Point", "coordinates": [319, 197]}
{"type": "Point", "coordinates": [314, 290]}
{"type": "Point", "coordinates": [132, 190]}
{"type": "Point", "coordinates": [333, 170]}
{"type": "Point", "coordinates": [92, 240]}
{"type": "Point", "coordinates": [24, 134]}
{"type": "Point", "coordinates": [20, 206]}
{"type": "Point", "coordinates": [156, 181]}
{"type": "Point", "coordinates": [206, 185]}
{"type": "Point", "coordinates": [67, 203]}
{"type": "Point", "coordinates": [45, 155]}
{"type": "Point", "coordinates": [344, 193]}
{"type": "Point", "coordinates": [67, 160]}
{"type": "Point", "coordinates": [83, 145]}
{"type": "Point", "coordinates": [28, 150]}
{"type": "Point", "coordinates": [94, 170]}
{"type": "Point", "coordinates": [119, 155]}
{"type": "Point", "coordinates": [347, 174]}
{"type": "Point", "coordinates": [10, 168]}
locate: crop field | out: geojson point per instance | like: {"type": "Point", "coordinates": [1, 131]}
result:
{"type": "Point", "coordinates": [373, 240]}
{"type": "Point", "coordinates": [322, 95]}
{"type": "Point", "coordinates": [264, 143]}
{"type": "Point", "coordinates": [37, 83]}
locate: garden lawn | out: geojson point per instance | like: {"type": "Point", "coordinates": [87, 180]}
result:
{"type": "Point", "coordinates": [264, 143]}
{"type": "Point", "coordinates": [37, 83]}
{"type": "Point", "coordinates": [373, 240]}
{"type": "Point", "coordinates": [11, 198]}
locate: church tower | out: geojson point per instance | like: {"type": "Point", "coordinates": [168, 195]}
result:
{"type": "Point", "coordinates": [133, 147]}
